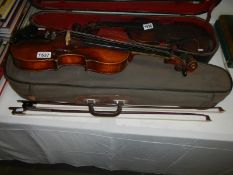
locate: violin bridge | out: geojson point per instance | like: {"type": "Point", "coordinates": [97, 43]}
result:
{"type": "Point", "coordinates": [68, 38]}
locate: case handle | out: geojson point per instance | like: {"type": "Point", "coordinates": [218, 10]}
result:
{"type": "Point", "coordinates": [91, 107]}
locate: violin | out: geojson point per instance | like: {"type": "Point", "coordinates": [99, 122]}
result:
{"type": "Point", "coordinates": [53, 54]}
{"type": "Point", "coordinates": [179, 36]}
{"type": "Point", "coordinates": [95, 53]}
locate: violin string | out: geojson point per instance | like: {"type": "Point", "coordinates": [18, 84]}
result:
{"type": "Point", "coordinates": [120, 44]}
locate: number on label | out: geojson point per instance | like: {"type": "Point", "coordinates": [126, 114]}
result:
{"type": "Point", "coordinates": [148, 26]}
{"type": "Point", "coordinates": [42, 55]}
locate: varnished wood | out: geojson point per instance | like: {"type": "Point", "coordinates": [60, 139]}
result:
{"type": "Point", "coordinates": [95, 58]}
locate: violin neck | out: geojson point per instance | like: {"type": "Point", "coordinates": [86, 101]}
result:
{"type": "Point", "coordinates": [128, 46]}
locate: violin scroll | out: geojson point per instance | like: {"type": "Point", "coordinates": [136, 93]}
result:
{"type": "Point", "coordinates": [184, 63]}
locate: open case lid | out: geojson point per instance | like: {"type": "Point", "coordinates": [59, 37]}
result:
{"type": "Point", "coordinates": [184, 7]}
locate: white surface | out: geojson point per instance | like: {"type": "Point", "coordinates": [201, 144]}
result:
{"type": "Point", "coordinates": [130, 142]}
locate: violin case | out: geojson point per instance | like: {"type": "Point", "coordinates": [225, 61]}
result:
{"type": "Point", "coordinates": [146, 80]}
{"type": "Point", "coordinates": [198, 35]}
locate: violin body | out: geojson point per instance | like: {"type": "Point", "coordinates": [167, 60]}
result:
{"type": "Point", "coordinates": [42, 54]}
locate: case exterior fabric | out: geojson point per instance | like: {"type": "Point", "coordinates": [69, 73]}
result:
{"type": "Point", "coordinates": [146, 80]}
